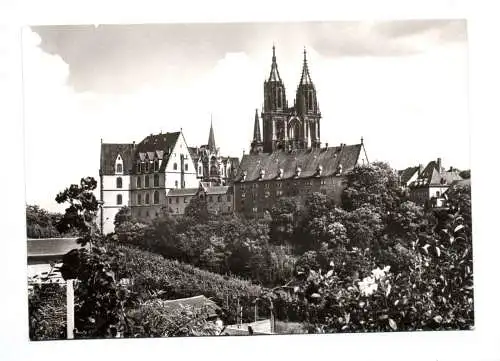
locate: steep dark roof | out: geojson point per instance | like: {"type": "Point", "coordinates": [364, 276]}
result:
{"type": "Point", "coordinates": [274, 75]}
{"type": "Point", "coordinates": [308, 160]}
{"type": "Point", "coordinates": [432, 175]}
{"type": "Point", "coordinates": [162, 144]}
{"type": "Point", "coordinates": [305, 78]}
{"type": "Point", "coordinates": [109, 152]}
{"type": "Point", "coordinates": [407, 173]}
{"type": "Point", "coordinates": [50, 247]}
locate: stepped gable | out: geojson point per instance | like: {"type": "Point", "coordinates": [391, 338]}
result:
{"type": "Point", "coordinates": [308, 160]}
{"type": "Point", "coordinates": [110, 151]}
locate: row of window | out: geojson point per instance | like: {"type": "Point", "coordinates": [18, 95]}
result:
{"type": "Point", "coordinates": [266, 185]}
{"type": "Point", "coordinates": [145, 167]}
{"type": "Point", "coordinates": [279, 193]}
{"type": "Point", "coordinates": [156, 181]}
{"type": "Point", "coordinates": [147, 198]}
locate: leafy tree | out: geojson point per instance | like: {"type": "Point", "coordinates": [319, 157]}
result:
{"type": "Point", "coordinates": [99, 301]}
{"type": "Point", "coordinates": [375, 184]}
{"type": "Point", "coordinates": [123, 215]}
{"type": "Point", "coordinates": [197, 210]}
{"type": "Point", "coordinates": [465, 174]}
{"type": "Point", "coordinates": [285, 218]}
{"type": "Point", "coordinates": [40, 223]}
{"type": "Point", "coordinates": [47, 312]}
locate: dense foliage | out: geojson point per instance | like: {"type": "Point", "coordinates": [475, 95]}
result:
{"type": "Point", "coordinates": [40, 223]}
{"type": "Point", "coordinates": [379, 263]}
{"type": "Point", "coordinates": [47, 312]}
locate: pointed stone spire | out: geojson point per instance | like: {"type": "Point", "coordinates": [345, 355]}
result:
{"type": "Point", "coordinates": [211, 137]}
{"type": "Point", "coordinates": [256, 129]}
{"type": "Point", "coordinates": [306, 77]}
{"type": "Point", "coordinates": [274, 75]}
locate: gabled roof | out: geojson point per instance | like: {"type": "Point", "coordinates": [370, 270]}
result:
{"type": "Point", "coordinates": [308, 160]}
{"type": "Point", "coordinates": [50, 247]}
{"type": "Point", "coordinates": [162, 144]}
{"type": "Point", "coordinates": [433, 176]}
{"type": "Point", "coordinates": [182, 192]}
{"type": "Point", "coordinates": [407, 173]}
{"type": "Point", "coordinates": [109, 153]}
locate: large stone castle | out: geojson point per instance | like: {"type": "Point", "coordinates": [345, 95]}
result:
{"type": "Point", "coordinates": [286, 159]}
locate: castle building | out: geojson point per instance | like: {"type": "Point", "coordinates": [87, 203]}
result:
{"type": "Point", "coordinates": [287, 159]}
{"type": "Point", "coordinates": [160, 173]}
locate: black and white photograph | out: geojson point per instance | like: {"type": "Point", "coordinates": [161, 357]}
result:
{"type": "Point", "coordinates": [247, 178]}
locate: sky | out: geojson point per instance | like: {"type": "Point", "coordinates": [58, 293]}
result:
{"type": "Point", "coordinates": [401, 85]}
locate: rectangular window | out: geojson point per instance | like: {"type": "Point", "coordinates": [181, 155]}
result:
{"type": "Point", "coordinates": [229, 198]}
{"type": "Point", "coordinates": [176, 199]}
{"type": "Point", "coordinates": [170, 201]}
{"type": "Point", "coordinates": [210, 198]}
{"type": "Point", "coordinates": [219, 198]}
{"type": "Point", "coordinates": [186, 167]}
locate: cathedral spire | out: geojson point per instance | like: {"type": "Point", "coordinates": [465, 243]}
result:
{"type": "Point", "coordinates": [211, 137]}
{"type": "Point", "coordinates": [274, 75]}
{"type": "Point", "coordinates": [256, 128]}
{"type": "Point", "coordinates": [306, 77]}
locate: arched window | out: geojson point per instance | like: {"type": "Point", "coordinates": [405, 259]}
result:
{"type": "Point", "coordinates": [147, 198]}
{"type": "Point", "coordinates": [199, 170]}
{"type": "Point", "coordinates": [119, 168]}
{"type": "Point", "coordinates": [146, 181]}
{"type": "Point", "coordinates": [175, 166]}
{"type": "Point", "coordinates": [280, 95]}
{"type": "Point", "coordinates": [310, 100]}
{"type": "Point", "coordinates": [119, 183]}
{"type": "Point", "coordinates": [156, 180]}
{"type": "Point", "coordinates": [156, 197]}
{"type": "Point", "coordinates": [139, 182]}
{"type": "Point", "coordinates": [119, 199]}
{"type": "Point", "coordinates": [139, 198]}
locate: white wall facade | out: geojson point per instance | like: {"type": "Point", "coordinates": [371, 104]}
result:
{"type": "Point", "coordinates": [173, 172]}
{"type": "Point", "coordinates": [110, 193]}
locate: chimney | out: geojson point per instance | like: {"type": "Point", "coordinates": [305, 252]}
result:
{"type": "Point", "coordinates": [133, 144]}
{"type": "Point", "coordinates": [439, 164]}
{"type": "Point", "coordinates": [420, 169]}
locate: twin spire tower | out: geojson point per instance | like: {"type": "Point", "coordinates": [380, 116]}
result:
{"type": "Point", "coordinates": [284, 127]}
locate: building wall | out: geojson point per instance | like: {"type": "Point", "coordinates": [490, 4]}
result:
{"type": "Point", "coordinates": [110, 193]}
{"type": "Point", "coordinates": [256, 197]}
{"type": "Point", "coordinates": [421, 195]}
{"type": "Point", "coordinates": [176, 204]}
{"type": "Point", "coordinates": [180, 156]}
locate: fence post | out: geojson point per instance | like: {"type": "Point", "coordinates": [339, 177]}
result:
{"type": "Point", "coordinates": [70, 309]}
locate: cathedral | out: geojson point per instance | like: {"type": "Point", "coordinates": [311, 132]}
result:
{"type": "Point", "coordinates": [284, 127]}
{"type": "Point", "coordinates": [287, 159]}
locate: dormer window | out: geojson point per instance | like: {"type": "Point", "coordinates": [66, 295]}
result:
{"type": "Point", "coordinates": [244, 176]}
{"type": "Point", "coordinates": [262, 174]}
{"type": "Point", "coordinates": [156, 165]}
{"type": "Point", "coordinates": [339, 170]}
{"type": "Point", "coordinates": [319, 170]}
{"type": "Point", "coordinates": [298, 170]}
{"type": "Point", "coordinates": [119, 168]}
{"type": "Point", "coordinates": [147, 166]}
{"type": "Point", "coordinates": [280, 173]}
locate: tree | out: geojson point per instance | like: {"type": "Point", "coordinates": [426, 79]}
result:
{"type": "Point", "coordinates": [100, 301]}
{"type": "Point", "coordinates": [285, 218]}
{"type": "Point", "coordinates": [123, 215]}
{"type": "Point", "coordinates": [197, 210]}
{"type": "Point", "coordinates": [40, 223]}
{"type": "Point", "coordinates": [375, 184]}
{"type": "Point", "coordinates": [465, 174]}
